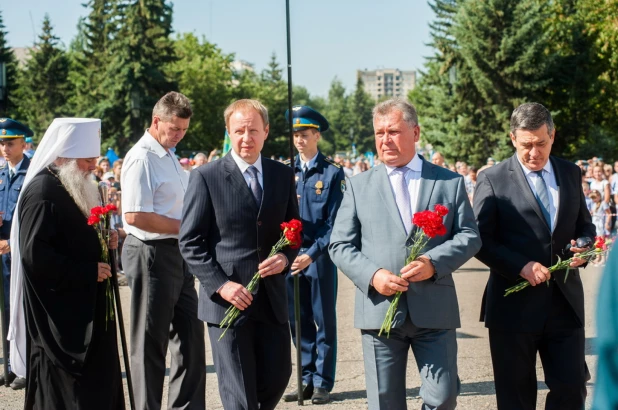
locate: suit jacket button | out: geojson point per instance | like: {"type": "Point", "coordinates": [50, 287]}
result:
{"type": "Point", "coordinates": [259, 249]}
{"type": "Point", "coordinates": [259, 223]}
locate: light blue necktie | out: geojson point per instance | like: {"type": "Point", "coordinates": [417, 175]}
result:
{"type": "Point", "coordinates": [402, 196]}
{"type": "Point", "coordinates": [256, 189]}
{"type": "Point", "coordinates": [542, 196]}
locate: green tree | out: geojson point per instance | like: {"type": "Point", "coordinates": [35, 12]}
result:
{"type": "Point", "coordinates": [491, 57]}
{"type": "Point", "coordinates": [136, 78]}
{"type": "Point", "coordinates": [444, 94]}
{"type": "Point", "coordinates": [270, 88]}
{"type": "Point", "coordinates": [10, 66]}
{"type": "Point", "coordinates": [361, 119]}
{"type": "Point", "coordinates": [43, 86]}
{"type": "Point", "coordinates": [205, 76]}
{"type": "Point", "coordinates": [582, 93]}
{"type": "Point", "coordinates": [89, 62]}
{"type": "Point", "coordinates": [337, 113]}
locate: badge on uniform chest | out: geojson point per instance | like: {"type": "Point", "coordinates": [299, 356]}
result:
{"type": "Point", "coordinates": [318, 187]}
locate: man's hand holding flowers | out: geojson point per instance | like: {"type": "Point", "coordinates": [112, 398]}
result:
{"type": "Point", "coordinates": [273, 265]}
{"type": "Point", "coordinates": [418, 270]}
{"type": "Point", "coordinates": [575, 249]}
{"type": "Point", "coordinates": [236, 294]}
{"type": "Point", "coordinates": [387, 283]}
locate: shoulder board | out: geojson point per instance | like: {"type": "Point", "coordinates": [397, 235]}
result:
{"type": "Point", "coordinates": [2, 167]}
{"type": "Point", "coordinates": [330, 161]}
{"type": "Point", "coordinates": [287, 162]}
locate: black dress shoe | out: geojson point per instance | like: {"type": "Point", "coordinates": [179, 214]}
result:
{"type": "Point", "coordinates": [12, 377]}
{"type": "Point", "coordinates": [293, 396]}
{"type": "Point", "coordinates": [320, 396]}
{"type": "Point", "coordinates": [19, 383]}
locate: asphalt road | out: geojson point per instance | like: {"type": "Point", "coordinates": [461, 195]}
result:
{"type": "Point", "coordinates": [477, 389]}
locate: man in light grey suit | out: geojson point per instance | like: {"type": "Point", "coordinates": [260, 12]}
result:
{"type": "Point", "coordinates": [368, 243]}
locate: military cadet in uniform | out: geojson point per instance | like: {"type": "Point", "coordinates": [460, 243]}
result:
{"type": "Point", "coordinates": [12, 175]}
{"type": "Point", "coordinates": [320, 183]}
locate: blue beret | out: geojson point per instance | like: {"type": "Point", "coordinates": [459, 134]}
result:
{"type": "Point", "coordinates": [11, 129]}
{"type": "Point", "coordinates": [306, 117]}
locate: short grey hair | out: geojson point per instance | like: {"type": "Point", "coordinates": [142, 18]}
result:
{"type": "Point", "coordinates": [397, 104]}
{"type": "Point", "coordinates": [243, 106]}
{"type": "Point", "coordinates": [172, 104]}
{"type": "Point", "coordinates": [531, 117]}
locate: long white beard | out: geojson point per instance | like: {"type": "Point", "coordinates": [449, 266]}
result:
{"type": "Point", "coordinates": [79, 185]}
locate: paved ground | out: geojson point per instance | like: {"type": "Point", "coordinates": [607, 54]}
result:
{"type": "Point", "coordinates": [349, 393]}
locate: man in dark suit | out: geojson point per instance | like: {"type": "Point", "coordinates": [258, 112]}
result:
{"type": "Point", "coordinates": [529, 208]}
{"type": "Point", "coordinates": [231, 219]}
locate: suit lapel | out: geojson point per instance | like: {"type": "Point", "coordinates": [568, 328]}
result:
{"type": "Point", "coordinates": [237, 182]}
{"type": "Point", "coordinates": [519, 178]}
{"type": "Point", "coordinates": [386, 193]}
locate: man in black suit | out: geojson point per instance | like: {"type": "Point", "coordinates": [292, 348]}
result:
{"type": "Point", "coordinates": [529, 208]}
{"type": "Point", "coordinates": [231, 219]}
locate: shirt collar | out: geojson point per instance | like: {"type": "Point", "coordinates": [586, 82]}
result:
{"type": "Point", "coordinates": [547, 168]}
{"type": "Point", "coordinates": [416, 164]}
{"type": "Point", "coordinates": [310, 163]}
{"type": "Point", "coordinates": [16, 166]}
{"type": "Point", "coordinates": [153, 145]}
{"type": "Point", "coordinates": [244, 165]}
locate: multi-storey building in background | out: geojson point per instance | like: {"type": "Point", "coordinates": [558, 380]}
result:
{"type": "Point", "coordinates": [387, 82]}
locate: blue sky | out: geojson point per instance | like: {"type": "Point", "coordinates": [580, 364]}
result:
{"type": "Point", "coordinates": [330, 38]}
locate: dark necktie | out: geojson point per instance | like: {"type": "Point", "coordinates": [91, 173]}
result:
{"type": "Point", "coordinates": [11, 174]}
{"type": "Point", "coordinates": [542, 196]}
{"type": "Point", "coordinates": [256, 189]}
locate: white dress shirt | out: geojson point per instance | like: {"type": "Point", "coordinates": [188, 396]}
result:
{"type": "Point", "coordinates": [413, 180]}
{"type": "Point", "coordinates": [550, 180]}
{"type": "Point", "coordinates": [14, 170]}
{"type": "Point", "coordinates": [153, 181]}
{"type": "Point", "coordinates": [244, 165]}
{"type": "Point", "coordinates": [309, 163]}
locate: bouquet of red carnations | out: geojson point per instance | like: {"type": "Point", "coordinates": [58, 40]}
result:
{"type": "Point", "coordinates": [100, 219]}
{"type": "Point", "coordinates": [431, 225]}
{"type": "Point", "coordinates": [599, 248]}
{"type": "Point", "coordinates": [291, 236]}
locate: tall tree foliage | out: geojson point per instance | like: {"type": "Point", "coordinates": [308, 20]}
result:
{"type": "Point", "coordinates": [89, 55]}
{"type": "Point", "coordinates": [10, 66]}
{"type": "Point", "coordinates": [136, 76]}
{"type": "Point", "coordinates": [361, 118]}
{"type": "Point", "coordinates": [43, 87]}
{"type": "Point", "coordinates": [581, 95]}
{"type": "Point", "coordinates": [205, 76]}
{"type": "Point", "coordinates": [491, 57]}
{"type": "Point", "coordinates": [338, 115]}
{"type": "Point", "coordinates": [270, 88]}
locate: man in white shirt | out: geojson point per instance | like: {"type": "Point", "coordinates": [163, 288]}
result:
{"type": "Point", "coordinates": [164, 300]}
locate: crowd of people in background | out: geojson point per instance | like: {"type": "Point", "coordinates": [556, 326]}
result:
{"type": "Point", "coordinates": [599, 179]}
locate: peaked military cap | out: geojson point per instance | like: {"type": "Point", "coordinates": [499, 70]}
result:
{"type": "Point", "coordinates": [304, 117]}
{"type": "Point", "coordinates": [11, 129]}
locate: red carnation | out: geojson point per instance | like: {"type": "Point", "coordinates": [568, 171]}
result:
{"type": "Point", "coordinates": [97, 210]}
{"type": "Point", "coordinates": [110, 207]}
{"type": "Point", "coordinates": [599, 243]}
{"type": "Point", "coordinates": [295, 224]}
{"type": "Point", "coordinates": [441, 210]}
{"type": "Point", "coordinates": [93, 220]}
